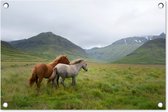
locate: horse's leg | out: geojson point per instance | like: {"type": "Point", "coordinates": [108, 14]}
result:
{"type": "Point", "coordinates": [53, 83]}
{"type": "Point", "coordinates": [73, 81]}
{"type": "Point", "coordinates": [48, 82]}
{"type": "Point", "coordinates": [39, 82]}
{"type": "Point", "coordinates": [36, 79]}
{"type": "Point", "coordinates": [62, 81]}
{"type": "Point", "coordinates": [57, 77]}
{"type": "Point", "coordinates": [52, 77]}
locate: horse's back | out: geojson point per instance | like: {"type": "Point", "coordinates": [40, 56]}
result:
{"type": "Point", "coordinates": [61, 66]}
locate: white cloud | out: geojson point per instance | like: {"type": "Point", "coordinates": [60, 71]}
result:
{"type": "Point", "coordinates": [87, 23]}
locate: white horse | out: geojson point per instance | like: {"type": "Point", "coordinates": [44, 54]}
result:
{"type": "Point", "coordinates": [67, 71]}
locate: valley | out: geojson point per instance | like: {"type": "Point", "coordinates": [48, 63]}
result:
{"type": "Point", "coordinates": [47, 46]}
{"type": "Point", "coordinates": [136, 81]}
{"type": "Point", "coordinates": [121, 48]}
{"type": "Point", "coordinates": [152, 52]}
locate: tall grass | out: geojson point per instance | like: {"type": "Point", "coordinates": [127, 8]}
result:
{"type": "Point", "coordinates": [104, 86]}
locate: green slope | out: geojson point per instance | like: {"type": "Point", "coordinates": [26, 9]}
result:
{"type": "Point", "coordinates": [120, 48]}
{"type": "Point", "coordinates": [117, 50]}
{"type": "Point", "coordinates": [152, 52]}
{"type": "Point", "coordinates": [8, 53]}
{"type": "Point", "coordinates": [49, 45]}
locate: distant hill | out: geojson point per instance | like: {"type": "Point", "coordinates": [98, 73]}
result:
{"type": "Point", "coordinates": [49, 45]}
{"type": "Point", "coordinates": [120, 48]}
{"type": "Point", "coordinates": [8, 53]}
{"type": "Point", "coordinates": [152, 52]}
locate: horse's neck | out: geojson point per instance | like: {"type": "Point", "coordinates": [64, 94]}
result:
{"type": "Point", "coordinates": [78, 66]}
{"type": "Point", "coordinates": [53, 64]}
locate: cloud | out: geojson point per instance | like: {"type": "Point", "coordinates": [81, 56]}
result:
{"type": "Point", "coordinates": [87, 23]}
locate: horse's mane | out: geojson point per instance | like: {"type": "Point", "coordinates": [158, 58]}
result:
{"type": "Point", "coordinates": [76, 61]}
{"type": "Point", "coordinates": [58, 57]}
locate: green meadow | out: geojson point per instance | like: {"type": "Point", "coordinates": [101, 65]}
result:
{"type": "Point", "coordinates": [104, 86]}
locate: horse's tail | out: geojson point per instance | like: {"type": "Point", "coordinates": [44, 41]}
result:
{"type": "Point", "coordinates": [53, 74]}
{"type": "Point", "coordinates": [33, 77]}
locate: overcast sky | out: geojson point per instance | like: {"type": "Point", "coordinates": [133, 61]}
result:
{"type": "Point", "coordinates": [87, 23]}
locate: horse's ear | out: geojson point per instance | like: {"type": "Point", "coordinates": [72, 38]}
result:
{"type": "Point", "coordinates": [64, 56]}
{"type": "Point", "coordinates": [81, 60]}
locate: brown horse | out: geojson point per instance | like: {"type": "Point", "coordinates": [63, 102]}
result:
{"type": "Point", "coordinates": [41, 71]}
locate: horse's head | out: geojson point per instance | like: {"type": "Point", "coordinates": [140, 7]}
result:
{"type": "Point", "coordinates": [81, 62]}
{"type": "Point", "coordinates": [84, 65]}
{"type": "Point", "coordinates": [60, 59]}
{"type": "Point", "coordinates": [63, 59]}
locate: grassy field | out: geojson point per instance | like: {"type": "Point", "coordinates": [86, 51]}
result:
{"type": "Point", "coordinates": [104, 86]}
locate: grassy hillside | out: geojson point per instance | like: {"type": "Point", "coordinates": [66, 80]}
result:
{"type": "Point", "coordinates": [120, 48]}
{"type": "Point", "coordinates": [117, 50]}
{"type": "Point", "coordinates": [104, 86]}
{"type": "Point", "coordinates": [152, 52]}
{"type": "Point", "coordinates": [49, 45]}
{"type": "Point", "coordinates": [113, 53]}
{"type": "Point", "coordinates": [8, 53]}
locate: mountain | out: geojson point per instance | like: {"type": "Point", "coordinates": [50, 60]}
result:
{"type": "Point", "coordinates": [120, 48]}
{"type": "Point", "coordinates": [8, 53]}
{"type": "Point", "coordinates": [49, 45]}
{"type": "Point", "coordinates": [152, 52]}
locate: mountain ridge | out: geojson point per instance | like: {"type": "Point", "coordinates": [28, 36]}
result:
{"type": "Point", "coordinates": [49, 44]}
{"type": "Point", "coordinates": [120, 48]}
{"type": "Point", "coordinates": [152, 52]}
